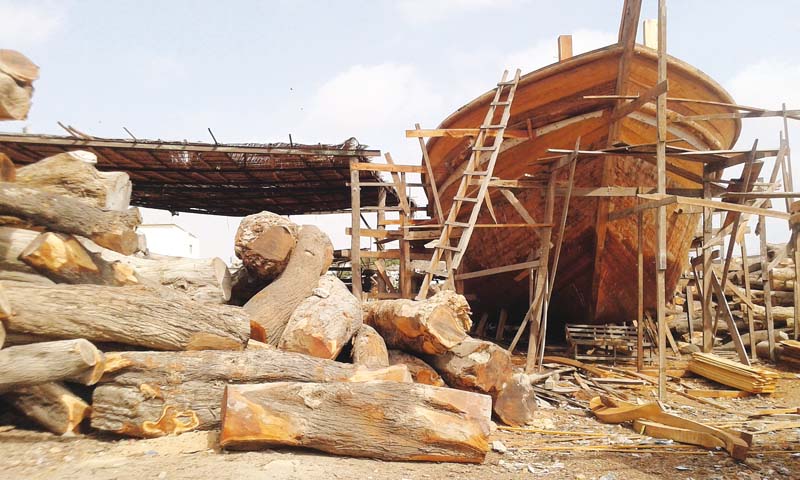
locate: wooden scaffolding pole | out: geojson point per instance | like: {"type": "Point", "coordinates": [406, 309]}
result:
{"type": "Point", "coordinates": [661, 221]}
{"type": "Point", "coordinates": [640, 291]}
{"type": "Point", "coordinates": [355, 228]}
{"type": "Point", "coordinates": [766, 276]}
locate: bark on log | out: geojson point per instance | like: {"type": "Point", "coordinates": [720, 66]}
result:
{"type": "Point", "coordinates": [136, 315]}
{"type": "Point", "coordinates": [51, 405]}
{"type": "Point", "coordinates": [324, 322]}
{"type": "Point", "coordinates": [421, 372]}
{"type": "Point", "coordinates": [8, 172]}
{"type": "Point", "coordinates": [15, 99]}
{"type": "Point", "coordinates": [12, 242]}
{"type": "Point", "coordinates": [271, 308]}
{"type": "Point", "coordinates": [114, 230]}
{"type": "Point", "coordinates": [409, 422]}
{"type": "Point", "coordinates": [74, 360]}
{"type": "Point", "coordinates": [369, 349]}
{"type": "Point", "coordinates": [781, 315]}
{"type": "Point", "coordinates": [516, 402]}
{"type": "Point", "coordinates": [264, 242]}
{"type": "Point", "coordinates": [474, 365]}
{"type": "Point", "coordinates": [22, 277]}
{"type": "Point", "coordinates": [205, 280]}
{"type": "Point", "coordinates": [150, 394]}
{"type": "Point", "coordinates": [431, 326]}
{"type": "Point", "coordinates": [73, 174]}
{"type": "Point", "coordinates": [62, 258]}
{"type": "Point", "coordinates": [760, 335]}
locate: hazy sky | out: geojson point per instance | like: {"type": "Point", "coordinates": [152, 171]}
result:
{"type": "Point", "coordinates": [325, 71]}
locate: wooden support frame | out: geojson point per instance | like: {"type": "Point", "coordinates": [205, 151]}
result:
{"type": "Point", "coordinates": [355, 228]}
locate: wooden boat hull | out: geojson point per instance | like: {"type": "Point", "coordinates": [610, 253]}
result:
{"type": "Point", "coordinates": [596, 277]}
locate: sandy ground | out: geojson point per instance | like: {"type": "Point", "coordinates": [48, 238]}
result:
{"type": "Point", "coordinates": [28, 454]}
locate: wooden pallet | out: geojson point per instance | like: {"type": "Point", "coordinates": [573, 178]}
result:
{"type": "Point", "coordinates": [609, 338]}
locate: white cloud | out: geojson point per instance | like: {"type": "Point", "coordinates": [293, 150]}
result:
{"type": "Point", "coordinates": [425, 11]}
{"type": "Point", "coordinates": [545, 52]}
{"type": "Point", "coordinates": [23, 24]}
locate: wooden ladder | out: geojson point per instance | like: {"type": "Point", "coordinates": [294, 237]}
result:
{"type": "Point", "coordinates": [451, 226]}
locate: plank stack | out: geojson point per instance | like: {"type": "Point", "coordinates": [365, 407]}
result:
{"type": "Point", "coordinates": [790, 353]}
{"type": "Point", "coordinates": [733, 374]}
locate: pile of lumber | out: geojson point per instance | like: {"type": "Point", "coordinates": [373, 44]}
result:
{"type": "Point", "coordinates": [733, 374]}
{"type": "Point", "coordinates": [790, 352]}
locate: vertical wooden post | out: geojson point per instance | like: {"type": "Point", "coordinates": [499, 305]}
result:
{"type": "Point", "coordinates": [564, 47]}
{"type": "Point", "coordinates": [661, 221]}
{"type": "Point", "coordinates": [690, 311]}
{"type": "Point", "coordinates": [766, 276]}
{"type": "Point", "coordinates": [405, 247]}
{"type": "Point", "coordinates": [501, 325]}
{"type": "Point", "coordinates": [355, 229]}
{"type": "Point", "coordinates": [708, 220]}
{"type": "Point", "coordinates": [640, 291]}
{"type": "Point", "coordinates": [750, 320]}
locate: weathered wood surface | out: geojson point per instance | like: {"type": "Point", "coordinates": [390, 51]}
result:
{"type": "Point", "coordinates": [63, 259]}
{"type": "Point", "coordinates": [8, 172]}
{"type": "Point", "coordinates": [244, 285]}
{"type": "Point", "coordinates": [515, 404]}
{"type": "Point", "coordinates": [150, 394]}
{"type": "Point", "coordinates": [409, 422]}
{"type": "Point", "coordinates": [23, 277]}
{"type": "Point", "coordinates": [758, 336]}
{"type": "Point", "coordinates": [12, 242]}
{"type": "Point", "coordinates": [114, 230]}
{"type": "Point", "coordinates": [18, 66]}
{"type": "Point", "coordinates": [369, 349]}
{"type": "Point", "coordinates": [74, 360]}
{"type": "Point", "coordinates": [421, 372]}
{"type": "Point", "coordinates": [264, 243]}
{"type": "Point", "coordinates": [15, 100]}
{"type": "Point", "coordinates": [73, 174]}
{"type": "Point", "coordinates": [51, 405]}
{"type": "Point", "coordinates": [474, 365]}
{"type": "Point", "coordinates": [431, 326]}
{"type": "Point", "coordinates": [205, 280]}
{"type": "Point", "coordinates": [324, 322]}
{"type": "Point", "coordinates": [134, 315]}
{"type": "Point", "coordinates": [271, 308]}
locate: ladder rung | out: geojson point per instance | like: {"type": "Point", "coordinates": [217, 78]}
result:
{"type": "Point", "coordinates": [476, 173]}
{"type": "Point", "coordinates": [492, 127]}
{"type": "Point", "coordinates": [501, 104]}
{"type": "Point", "coordinates": [508, 82]}
{"type": "Point", "coordinates": [466, 199]}
{"type": "Point", "coordinates": [483, 149]}
{"type": "Point", "coordinates": [438, 273]}
{"type": "Point", "coordinates": [448, 247]}
{"type": "Point", "coordinates": [458, 224]}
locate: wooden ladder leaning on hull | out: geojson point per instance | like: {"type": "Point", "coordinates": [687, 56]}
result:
{"type": "Point", "coordinates": [453, 254]}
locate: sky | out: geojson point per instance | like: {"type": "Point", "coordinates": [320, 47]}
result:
{"type": "Point", "coordinates": [258, 71]}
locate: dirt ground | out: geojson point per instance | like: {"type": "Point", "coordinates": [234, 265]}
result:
{"type": "Point", "coordinates": [564, 443]}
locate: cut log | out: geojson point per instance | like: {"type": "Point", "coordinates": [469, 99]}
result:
{"type": "Point", "coordinates": [431, 326]}
{"type": "Point", "coordinates": [8, 172]}
{"type": "Point", "coordinates": [324, 322]}
{"type": "Point", "coordinates": [114, 230]}
{"type": "Point", "coordinates": [759, 336]}
{"type": "Point", "coordinates": [73, 174]}
{"type": "Point", "coordinates": [5, 313]}
{"type": "Point", "coordinates": [475, 365]}
{"type": "Point", "coordinates": [264, 242]}
{"type": "Point", "coordinates": [780, 315]}
{"type": "Point", "coordinates": [15, 99]}
{"type": "Point", "coordinates": [244, 285]}
{"type": "Point", "coordinates": [136, 315]}
{"type": "Point", "coordinates": [18, 66]}
{"type": "Point", "coordinates": [369, 349]}
{"type": "Point", "coordinates": [22, 277]}
{"type": "Point", "coordinates": [271, 308]}
{"type": "Point", "coordinates": [51, 405]}
{"type": "Point", "coordinates": [150, 394]}
{"type": "Point", "coordinates": [409, 422]}
{"type": "Point", "coordinates": [62, 258]}
{"type": "Point", "coordinates": [74, 360]}
{"type": "Point", "coordinates": [12, 242]}
{"type": "Point", "coordinates": [205, 280]}
{"type": "Point", "coordinates": [516, 402]}
{"type": "Point", "coordinates": [421, 372]}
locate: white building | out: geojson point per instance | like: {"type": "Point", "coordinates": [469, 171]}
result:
{"type": "Point", "coordinates": [170, 239]}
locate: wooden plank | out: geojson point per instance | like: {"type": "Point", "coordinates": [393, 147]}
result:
{"type": "Point", "coordinates": [564, 47]}
{"type": "Point", "coordinates": [400, 186]}
{"type": "Point", "coordinates": [749, 310]}
{"type": "Point", "coordinates": [661, 212]}
{"type": "Point", "coordinates": [498, 270]}
{"type": "Point", "coordinates": [462, 132]}
{"type": "Point", "coordinates": [668, 200]}
{"type": "Point", "coordinates": [562, 226]}
{"type": "Point", "coordinates": [706, 393]}
{"type": "Point", "coordinates": [719, 116]}
{"type": "Point", "coordinates": [501, 325]}
{"type": "Point", "coordinates": [733, 330]}
{"type": "Point", "coordinates": [753, 195]}
{"type": "Point", "coordinates": [380, 167]}
{"type": "Point", "coordinates": [640, 291]}
{"type": "Point", "coordinates": [375, 233]}
{"type": "Point", "coordinates": [766, 274]}
{"type": "Point", "coordinates": [355, 227]}
{"type": "Point", "coordinates": [392, 255]}
{"type": "Point", "coordinates": [431, 179]}
{"type": "Point", "coordinates": [630, 107]}
{"type": "Point", "coordinates": [731, 207]}
{"type": "Point", "coordinates": [707, 259]}
{"type": "Point", "coordinates": [627, 40]}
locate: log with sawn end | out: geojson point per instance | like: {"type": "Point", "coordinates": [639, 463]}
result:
{"type": "Point", "coordinates": [134, 315]}
{"type": "Point", "coordinates": [515, 404]}
{"type": "Point", "coordinates": [409, 422]}
{"type": "Point", "coordinates": [421, 372]}
{"type": "Point", "coordinates": [369, 349]}
{"type": "Point", "coordinates": [73, 360]}
{"type": "Point", "coordinates": [475, 365]}
{"type": "Point", "coordinates": [150, 394]}
{"type": "Point", "coordinates": [51, 405]}
{"type": "Point", "coordinates": [264, 242]}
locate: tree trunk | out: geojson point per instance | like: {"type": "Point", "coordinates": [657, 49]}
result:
{"type": "Point", "coordinates": [431, 326]}
{"type": "Point", "coordinates": [369, 349]}
{"type": "Point", "coordinates": [63, 259]}
{"type": "Point", "coordinates": [205, 280]}
{"type": "Point", "coordinates": [114, 230]}
{"type": "Point", "coordinates": [516, 401]}
{"type": "Point", "coordinates": [264, 242]}
{"type": "Point", "coordinates": [324, 322]}
{"type": "Point", "coordinates": [18, 66]}
{"type": "Point", "coordinates": [475, 365]}
{"type": "Point", "coordinates": [760, 335]}
{"type": "Point", "coordinates": [271, 308]}
{"type": "Point", "coordinates": [74, 360]}
{"type": "Point", "coordinates": [136, 315]}
{"type": "Point", "coordinates": [51, 405]}
{"type": "Point", "coordinates": [22, 277]}
{"type": "Point", "coordinates": [150, 394]}
{"type": "Point", "coordinates": [73, 174]}
{"type": "Point", "coordinates": [409, 422]}
{"type": "Point", "coordinates": [783, 315]}
{"type": "Point", "coordinates": [15, 100]}
{"type": "Point", "coordinates": [8, 172]}
{"type": "Point", "coordinates": [421, 372]}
